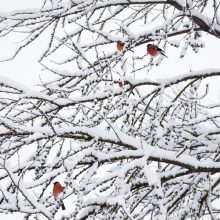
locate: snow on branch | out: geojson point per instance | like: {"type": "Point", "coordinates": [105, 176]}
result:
{"type": "Point", "coordinates": [123, 145]}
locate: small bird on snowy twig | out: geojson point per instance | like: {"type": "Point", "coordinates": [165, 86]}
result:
{"type": "Point", "coordinates": [57, 189]}
{"type": "Point", "coordinates": [120, 45]}
{"type": "Point", "coordinates": [154, 50]}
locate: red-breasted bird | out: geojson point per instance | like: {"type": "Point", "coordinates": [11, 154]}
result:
{"type": "Point", "coordinates": [120, 46]}
{"type": "Point", "coordinates": [154, 50]}
{"type": "Point", "coordinates": [120, 84]}
{"type": "Point", "coordinates": [57, 189]}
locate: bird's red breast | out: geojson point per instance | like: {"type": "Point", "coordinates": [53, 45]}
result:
{"type": "Point", "coordinates": [120, 46]}
{"type": "Point", "coordinates": [57, 189]}
{"type": "Point", "coordinates": [120, 84]}
{"type": "Point", "coordinates": [152, 50]}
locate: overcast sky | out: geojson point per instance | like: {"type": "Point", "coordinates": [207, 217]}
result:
{"type": "Point", "coordinates": [26, 70]}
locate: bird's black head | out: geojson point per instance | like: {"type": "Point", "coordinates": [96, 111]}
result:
{"type": "Point", "coordinates": [149, 45]}
{"type": "Point", "coordinates": [120, 43]}
{"type": "Point", "coordinates": [55, 183]}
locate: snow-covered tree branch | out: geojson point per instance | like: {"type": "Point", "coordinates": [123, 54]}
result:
{"type": "Point", "coordinates": [125, 146]}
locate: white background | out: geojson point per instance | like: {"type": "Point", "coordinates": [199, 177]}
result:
{"type": "Point", "coordinates": [26, 70]}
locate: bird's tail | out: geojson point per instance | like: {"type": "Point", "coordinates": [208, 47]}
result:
{"type": "Point", "coordinates": [164, 54]}
{"type": "Point", "coordinates": [63, 206]}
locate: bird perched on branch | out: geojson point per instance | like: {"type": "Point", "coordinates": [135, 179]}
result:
{"type": "Point", "coordinates": [120, 84]}
{"type": "Point", "coordinates": [120, 46]}
{"type": "Point", "coordinates": [57, 189]}
{"type": "Point", "coordinates": [154, 50]}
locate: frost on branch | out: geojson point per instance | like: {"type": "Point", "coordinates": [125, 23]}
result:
{"type": "Point", "coordinates": [123, 145]}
